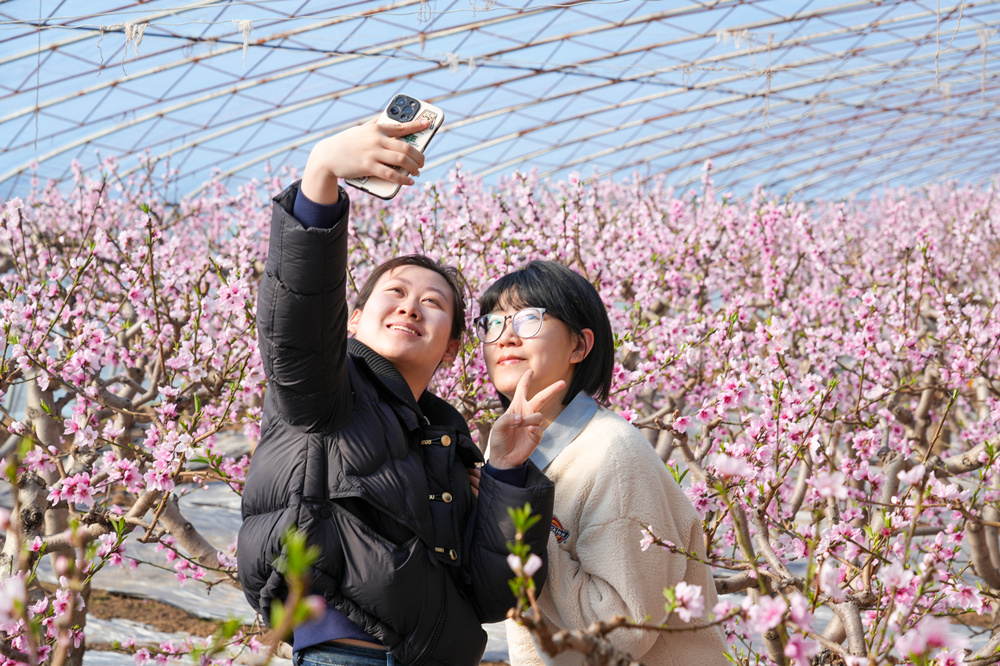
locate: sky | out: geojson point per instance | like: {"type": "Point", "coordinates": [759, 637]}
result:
{"type": "Point", "coordinates": [819, 97]}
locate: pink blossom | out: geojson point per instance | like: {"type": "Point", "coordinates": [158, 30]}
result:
{"type": "Point", "coordinates": [689, 602]}
{"type": "Point", "coordinates": [226, 559]}
{"type": "Point", "coordinates": [63, 599]}
{"type": "Point", "coordinates": [801, 650]}
{"type": "Point", "coordinates": [701, 497]}
{"type": "Point", "coordinates": [38, 607]}
{"type": "Point", "coordinates": [159, 478]}
{"type": "Point", "coordinates": [110, 550]}
{"type": "Point", "coordinates": [830, 576]}
{"type": "Point", "coordinates": [947, 492]}
{"type": "Point", "coordinates": [894, 576]}
{"type": "Point", "coordinates": [965, 597]}
{"type": "Point", "coordinates": [112, 430]}
{"type": "Point", "coordinates": [12, 590]}
{"type": "Point", "coordinates": [767, 613]}
{"type": "Point", "coordinates": [647, 538]}
{"type": "Point", "coordinates": [126, 472]}
{"type": "Point", "coordinates": [530, 568]}
{"type": "Point", "coordinates": [722, 609]}
{"type": "Point", "coordinates": [929, 633]}
{"type": "Point", "coordinates": [317, 606]}
{"type": "Point", "coordinates": [43, 652]}
{"type": "Point", "coordinates": [731, 467]}
{"type": "Point", "coordinates": [913, 476]}
{"type": "Point", "coordinates": [74, 489]}
{"type": "Point", "coordinates": [39, 461]}
{"type": "Point", "coordinates": [799, 612]}
{"type": "Point", "coordinates": [949, 658]}
{"type": "Point", "coordinates": [767, 310]}
{"type": "Point", "coordinates": [628, 414]}
{"type": "Point", "coordinates": [533, 564]}
{"type": "Point", "coordinates": [830, 484]}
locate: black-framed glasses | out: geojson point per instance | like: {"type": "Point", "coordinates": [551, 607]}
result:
{"type": "Point", "coordinates": [526, 323]}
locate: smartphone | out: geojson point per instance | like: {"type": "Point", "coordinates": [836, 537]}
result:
{"type": "Point", "coordinates": [401, 109]}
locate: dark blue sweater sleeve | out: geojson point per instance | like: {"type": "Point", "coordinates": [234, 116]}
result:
{"type": "Point", "coordinates": [515, 476]}
{"type": "Point", "coordinates": [312, 214]}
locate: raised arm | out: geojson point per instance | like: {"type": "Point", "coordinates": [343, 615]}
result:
{"type": "Point", "coordinates": [302, 309]}
{"type": "Point", "coordinates": [365, 150]}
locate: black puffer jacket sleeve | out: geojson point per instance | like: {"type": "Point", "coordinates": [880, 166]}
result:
{"type": "Point", "coordinates": [491, 531]}
{"type": "Point", "coordinates": [302, 317]}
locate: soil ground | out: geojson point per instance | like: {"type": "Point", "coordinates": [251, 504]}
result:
{"type": "Point", "coordinates": [161, 616]}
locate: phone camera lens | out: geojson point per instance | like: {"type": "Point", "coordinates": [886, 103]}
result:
{"type": "Point", "coordinates": [400, 101]}
{"type": "Point", "coordinates": [394, 111]}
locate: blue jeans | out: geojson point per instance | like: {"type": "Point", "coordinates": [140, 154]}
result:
{"type": "Point", "coordinates": [331, 654]}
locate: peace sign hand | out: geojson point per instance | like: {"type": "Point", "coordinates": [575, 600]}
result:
{"type": "Point", "coordinates": [518, 430]}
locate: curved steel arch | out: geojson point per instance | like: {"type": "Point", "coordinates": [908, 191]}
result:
{"type": "Point", "coordinates": [634, 58]}
{"type": "Point", "coordinates": [775, 92]}
{"type": "Point", "coordinates": [230, 48]}
{"type": "Point", "coordinates": [246, 84]}
{"type": "Point", "coordinates": [451, 125]}
{"type": "Point", "coordinates": [708, 85]}
{"type": "Point", "coordinates": [778, 148]}
{"type": "Point", "coordinates": [817, 138]}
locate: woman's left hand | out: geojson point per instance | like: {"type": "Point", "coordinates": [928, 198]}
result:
{"type": "Point", "coordinates": [518, 431]}
{"type": "Point", "coordinates": [474, 474]}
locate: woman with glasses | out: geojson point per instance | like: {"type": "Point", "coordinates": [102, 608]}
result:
{"type": "Point", "coordinates": [544, 327]}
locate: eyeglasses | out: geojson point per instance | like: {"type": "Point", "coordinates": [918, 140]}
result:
{"type": "Point", "coordinates": [526, 323]}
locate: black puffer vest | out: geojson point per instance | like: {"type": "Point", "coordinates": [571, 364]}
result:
{"type": "Point", "coordinates": [375, 479]}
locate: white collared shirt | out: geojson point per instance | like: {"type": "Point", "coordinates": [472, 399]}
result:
{"type": "Point", "coordinates": [558, 435]}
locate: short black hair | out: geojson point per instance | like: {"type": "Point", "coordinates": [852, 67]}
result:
{"type": "Point", "coordinates": [569, 297]}
{"type": "Point", "coordinates": [451, 275]}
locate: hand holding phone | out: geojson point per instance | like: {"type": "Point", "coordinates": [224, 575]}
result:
{"type": "Point", "coordinates": [401, 109]}
{"type": "Point", "coordinates": [361, 152]}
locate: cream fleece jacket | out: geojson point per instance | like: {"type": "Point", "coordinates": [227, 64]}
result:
{"type": "Point", "coordinates": [609, 484]}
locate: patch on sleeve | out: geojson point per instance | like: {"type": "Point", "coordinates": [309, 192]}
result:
{"type": "Point", "coordinates": [558, 530]}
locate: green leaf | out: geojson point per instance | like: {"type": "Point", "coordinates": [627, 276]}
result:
{"type": "Point", "coordinates": [277, 614]}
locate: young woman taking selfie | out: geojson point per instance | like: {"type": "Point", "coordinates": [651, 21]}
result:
{"type": "Point", "coordinates": [356, 452]}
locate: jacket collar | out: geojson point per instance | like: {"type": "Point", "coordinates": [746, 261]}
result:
{"type": "Point", "coordinates": [561, 432]}
{"type": "Point", "coordinates": [387, 375]}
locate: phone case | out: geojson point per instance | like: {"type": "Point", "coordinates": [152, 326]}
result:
{"type": "Point", "coordinates": [385, 189]}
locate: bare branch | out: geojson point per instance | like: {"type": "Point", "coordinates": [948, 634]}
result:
{"type": "Point", "coordinates": [981, 554]}
{"type": "Point", "coordinates": [36, 401]}
{"type": "Point", "coordinates": [736, 583]}
{"type": "Point", "coordinates": [834, 631]}
{"type": "Point", "coordinates": [64, 542]}
{"type": "Point", "coordinates": [27, 521]}
{"type": "Point", "coordinates": [762, 539]}
{"type": "Point", "coordinates": [921, 416]}
{"type": "Point", "coordinates": [193, 542]}
{"type": "Point", "coordinates": [966, 462]}
{"type": "Point", "coordinates": [590, 642]}
{"type": "Point", "coordinates": [802, 484]}
{"type": "Point", "coordinates": [7, 650]}
{"type": "Point", "coordinates": [706, 440]}
{"type": "Point", "coordinates": [986, 655]}
{"type": "Point", "coordinates": [850, 617]}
